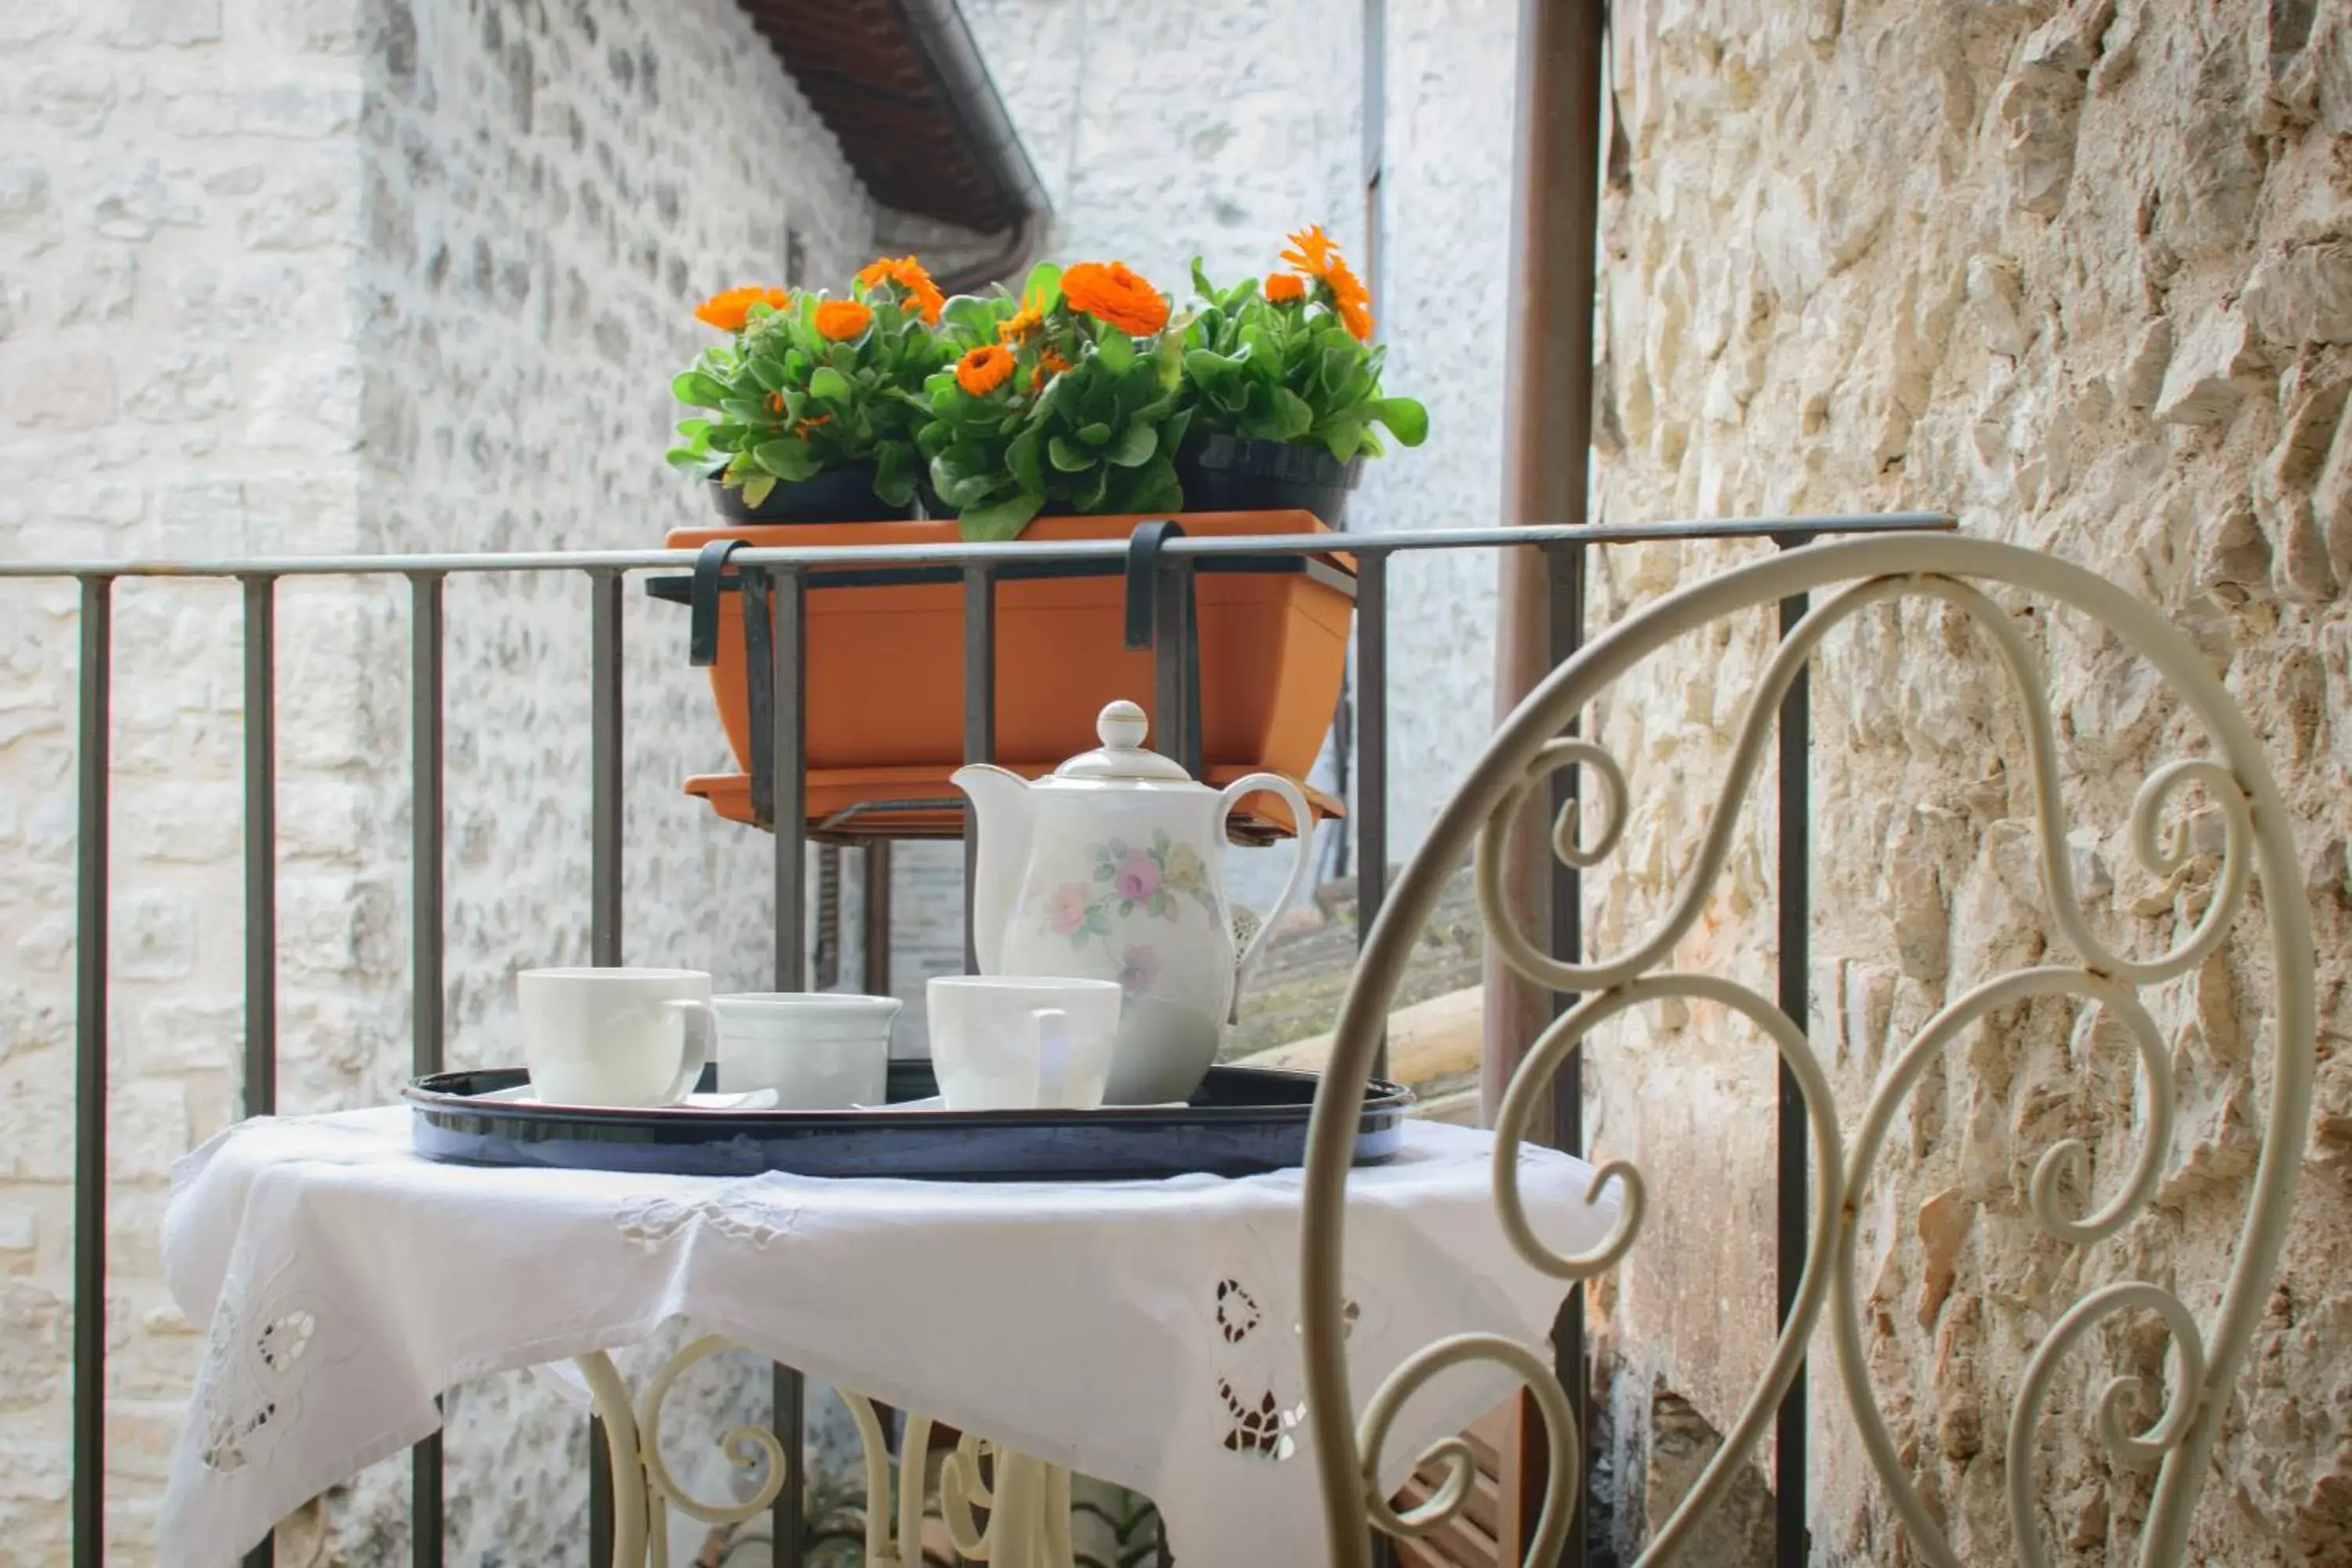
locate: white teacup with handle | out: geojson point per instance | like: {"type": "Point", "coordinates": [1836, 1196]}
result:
{"type": "Point", "coordinates": [615, 1036]}
{"type": "Point", "coordinates": [1005, 1042]}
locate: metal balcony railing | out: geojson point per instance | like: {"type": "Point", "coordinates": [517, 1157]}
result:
{"type": "Point", "coordinates": [1159, 565]}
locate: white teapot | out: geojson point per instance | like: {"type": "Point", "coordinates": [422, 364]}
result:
{"type": "Point", "coordinates": [1109, 870]}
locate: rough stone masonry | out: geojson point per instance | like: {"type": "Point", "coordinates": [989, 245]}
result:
{"type": "Point", "coordinates": [2082, 274]}
{"type": "Point", "coordinates": [305, 275]}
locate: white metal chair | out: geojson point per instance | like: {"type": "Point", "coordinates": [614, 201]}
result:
{"type": "Point", "coordinates": [2206, 1358]}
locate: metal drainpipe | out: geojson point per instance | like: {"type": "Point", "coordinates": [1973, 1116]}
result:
{"type": "Point", "coordinates": [954, 61]}
{"type": "Point", "coordinates": [1548, 403]}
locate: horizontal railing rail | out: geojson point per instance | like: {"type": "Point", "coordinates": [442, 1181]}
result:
{"type": "Point", "coordinates": [781, 578]}
{"type": "Point", "coordinates": [970, 555]}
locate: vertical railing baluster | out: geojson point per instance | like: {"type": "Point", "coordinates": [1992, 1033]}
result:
{"type": "Point", "coordinates": [1792, 1225]}
{"type": "Point", "coordinates": [96, 679]}
{"type": "Point", "coordinates": [260, 873]}
{"type": "Point", "coordinates": [1176, 663]}
{"type": "Point", "coordinates": [979, 723]}
{"type": "Point", "coordinates": [1564, 570]}
{"type": "Point", "coordinates": [788, 750]}
{"type": "Point", "coordinates": [605, 851]}
{"type": "Point", "coordinates": [874, 921]}
{"type": "Point", "coordinates": [1372, 736]}
{"type": "Point", "coordinates": [425, 1007]}
{"type": "Point", "coordinates": [1372, 802]}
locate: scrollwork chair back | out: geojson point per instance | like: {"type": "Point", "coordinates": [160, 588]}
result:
{"type": "Point", "coordinates": [1530, 747]}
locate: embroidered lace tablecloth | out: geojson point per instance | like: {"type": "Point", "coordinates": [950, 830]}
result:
{"type": "Point", "coordinates": [1144, 1333]}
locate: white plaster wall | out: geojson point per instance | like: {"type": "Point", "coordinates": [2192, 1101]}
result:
{"type": "Point", "coordinates": [1260, 132]}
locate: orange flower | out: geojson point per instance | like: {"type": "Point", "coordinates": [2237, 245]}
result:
{"type": "Point", "coordinates": [1049, 365]}
{"type": "Point", "coordinates": [908, 274]}
{"type": "Point", "coordinates": [728, 312]}
{"type": "Point", "coordinates": [1285, 288]}
{"type": "Point", "coordinates": [841, 320]}
{"type": "Point", "coordinates": [1313, 254]}
{"type": "Point", "coordinates": [805, 425]}
{"type": "Point", "coordinates": [1350, 299]}
{"type": "Point", "coordinates": [985, 369]}
{"type": "Point", "coordinates": [776, 402]}
{"type": "Point", "coordinates": [1112, 293]}
{"type": "Point", "coordinates": [1016, 328]}
{"type": "Point", "coordinates": [1314, 250]}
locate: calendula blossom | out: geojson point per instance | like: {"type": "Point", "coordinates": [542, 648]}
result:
{"type": "Point", "coordinates": [729, 309]}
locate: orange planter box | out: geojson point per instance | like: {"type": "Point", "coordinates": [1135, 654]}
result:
{"type": "Point", "coordinates": [886, 663]}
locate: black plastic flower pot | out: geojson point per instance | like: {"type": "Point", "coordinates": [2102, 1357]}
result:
{"type": "Point", "coordinates": [837, 495]}
{"type": "Point", "coordinates": [1225, 473]}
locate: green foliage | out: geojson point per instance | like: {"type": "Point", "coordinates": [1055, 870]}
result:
{"type": "Point", "coordinates": [1089, 421]}
{"type": "Point", "coordinates": [1288, 372]}
{"type": "Point", "coordinates": [791, 404]}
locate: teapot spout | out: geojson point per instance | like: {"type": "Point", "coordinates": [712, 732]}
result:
{"type": "Point", "coordinates": [1000, 803]}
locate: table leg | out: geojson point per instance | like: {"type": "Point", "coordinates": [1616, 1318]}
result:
{"type": "Point", "coordinates": [1027, 1500]}
{"type": "Point", "coordinates": [610, 1397]}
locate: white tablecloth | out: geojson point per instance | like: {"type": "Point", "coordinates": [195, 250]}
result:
{"type": "Point", "coordinates": [1123, 1330]}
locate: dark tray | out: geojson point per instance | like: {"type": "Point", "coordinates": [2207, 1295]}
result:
{"type": "Point", "coordinates": [1242, 1121]}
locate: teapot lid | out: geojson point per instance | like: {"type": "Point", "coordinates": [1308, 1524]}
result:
{"type": "Point", "coordinates": [1122, 757]}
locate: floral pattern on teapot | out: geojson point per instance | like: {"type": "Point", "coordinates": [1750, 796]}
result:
{"type": "Point", "coordinates": [1126, 882]}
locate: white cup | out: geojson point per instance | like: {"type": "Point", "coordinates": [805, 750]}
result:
{"type": "Point", "coordinates": [818, 1051]}
{"type": "Point", "coordinates": [615, 1036]}
{"type": "Point", "coordinates": [1011, 1043]}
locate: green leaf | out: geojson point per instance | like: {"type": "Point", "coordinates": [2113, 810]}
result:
{"type": "Point", "coordinates": [1134, 446]}
{"type": "Point", "coordinates": [1210, 368]}
{"type": "Point", "coordinates": [1334, 363]}
{"type": "Point", "coordinates": [1066, 457]}
{"type": "Point", "coordinates": [1003, 520]}
{"type": "Point", "coordinates": [1116, 351]}
{"type": "Point", "coordinates": [830, 385]}
{"type": "Point", "coordinates": [1094, 435]}
{"type": "Point", "coordinates": [1044, 285]}
{"type": "Point", "coordinates": [1201, 284]}
{"type": "Point", "coordinates": [698, 390]}
{"type": "Point", "coordinates": [894, 475]}
{"type": "Point", "coordinates": [687, 458]}
{"type": "Point", "coordinates": [789, 459]}
{"type": "Point", "coordinates": [968, 317]}
{"type": "Point", "coordinates": [1153, 487]}
{"type": "Point", "coordinates": [1345, 437]}
{"type": "Point", "coordinates": [756, 489]}
{"type": "Point", "coordinates": [1292, 417]}
{"type": "Point", "coordinates": [1091, 490]}
{"type": "Point", "coordinates": [1407, 419]}
{"type": "Point", "coordinates": [768, 374]}
{"type": "Point", "coordinates": [1021, 458]}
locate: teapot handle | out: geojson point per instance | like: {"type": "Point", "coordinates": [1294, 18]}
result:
{"type": "Point", "coordinates": [1303, 821]}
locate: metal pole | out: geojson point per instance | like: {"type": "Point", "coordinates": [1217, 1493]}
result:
{"type": "Point", "coordinates": [605, 861]}
{"type": "Point", "coordinates": [788, 750]}
{"type": "Point", "coordinates": [979, 724]}
{"type": "Point", "coordinates": [260, 874]}
{"type": "Point", "coordinates": [1548, 394]}
{"type": "Point", "coordinates": [1371, 806]}
{"type": "Point", "coordinates": [1564, 577]}
{"type": "Point", "coordinates": [425, 903]}
{"type": "Point", "coordinates": [873, 921]}
{"type": "Point", "coordinates": [1792, 1216]}
{"type": "Point", "coordinates": [89, 1077]}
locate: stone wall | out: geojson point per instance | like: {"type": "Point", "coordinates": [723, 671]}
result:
{"type": "Point", "coordinates": [177, 222]}
{"type": "Point", "coordinates": [2079, 274]}
{"type": "Point", "coordinates": [294, 276]}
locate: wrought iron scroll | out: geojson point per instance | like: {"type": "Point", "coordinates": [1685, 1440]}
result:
{"type": "Point", "coordinates": [2206, 1358]}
